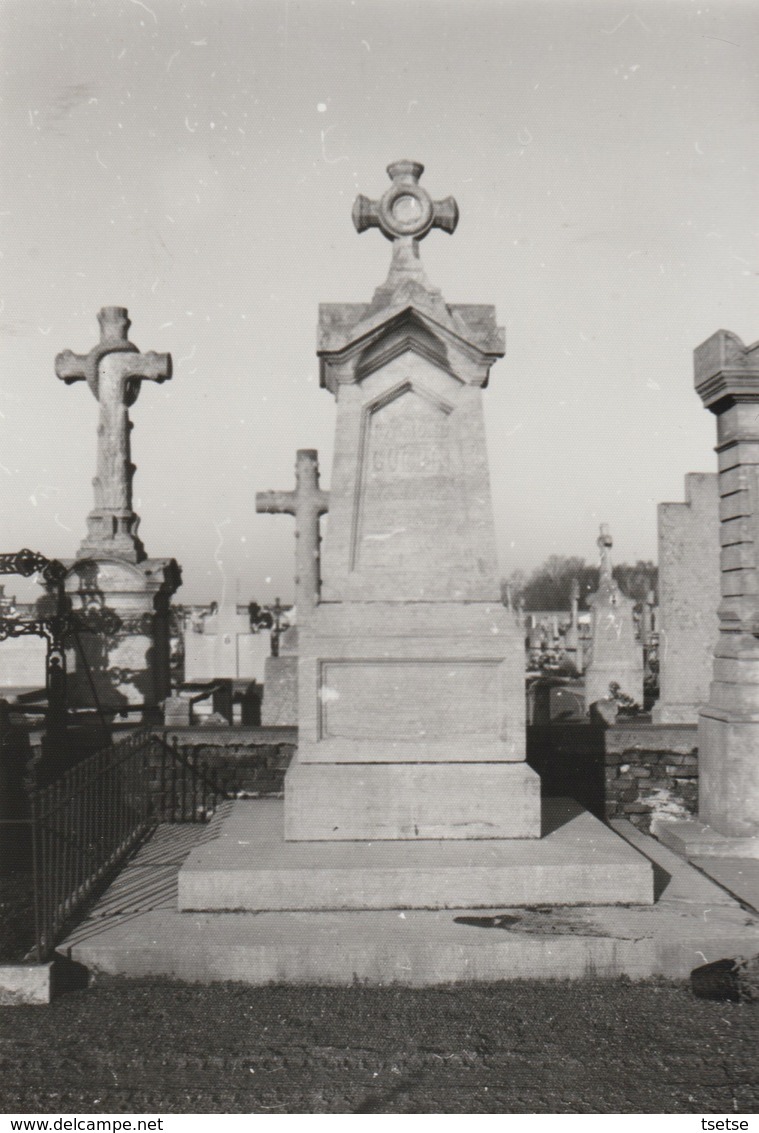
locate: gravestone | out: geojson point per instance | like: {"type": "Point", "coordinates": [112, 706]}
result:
{"type": "Point", "coordinates": [727, 380]}
{"type": "Point", "coordinates": [616, 657]}
{"type": "Point", "coordinates": [689, 595]}
{"type": "Point", "coordinates": [572, 643]}
{"type": "Point", "coordinates": [124, 660]}
{"type": "Point", "coordinates": [223, 644]}
{"type": "Point", "coordinates": [410, 787]}
{"type": "Point", "coordinates": [308, 503]}
{"type": "Point", "coordinates": [411, 672]}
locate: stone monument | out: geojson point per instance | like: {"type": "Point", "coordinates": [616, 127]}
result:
{"type": "Point", "coordinates": [411, 682]}
{"type": "Point", "coordinates": [689, 595]}
{"type": "Point", "coordinates": [308, 503]}
{"type": "Point", "coordinates": [727, 380]}
{"type": "Point", "coordinates": [410, 787]}
{"type": "Point", "coordinates": [123, 594]}
{"type": "Point", "coordinates": [616, 657]}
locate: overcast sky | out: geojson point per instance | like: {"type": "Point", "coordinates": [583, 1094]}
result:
{"type": "Point", "coordinates": [197, 162]}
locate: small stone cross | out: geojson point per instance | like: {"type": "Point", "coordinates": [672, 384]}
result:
{"type": "Point", "coordinates": [307, 503]}
{"type": "Point", "coordinates": [406, 210]}
{"type": "Point", "coordinates": [605, 543]}
{"type": "Point", "coordinates": [113, 371]}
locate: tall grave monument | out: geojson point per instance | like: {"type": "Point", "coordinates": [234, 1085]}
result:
{"type": "Point", "coordinates": [410, 787]}
{"type": "Point", "coordinates": [727, 380]}
{"type": "Point", "coordinates": [124, 661]}
{"type": "Point", "coordinates": [411, 683]}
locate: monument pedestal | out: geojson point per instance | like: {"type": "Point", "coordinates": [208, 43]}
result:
{"type": "Point", "coordinates": [123, 660]}
{"type": "Point", "coordinates": [411, 725]}
{"type": "Point", "coordinates": [412, 801]}
{"type": "Point", "coordinates": [578, 861]}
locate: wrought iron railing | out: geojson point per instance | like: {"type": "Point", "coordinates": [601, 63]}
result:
{"type": "Point", "coordinates": [87, 822]}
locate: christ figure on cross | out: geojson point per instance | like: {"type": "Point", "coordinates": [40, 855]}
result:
{"type": "Point", "coordinates": [113, 370]}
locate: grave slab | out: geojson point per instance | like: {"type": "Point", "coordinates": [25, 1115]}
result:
{"type": "Point", "coordinates": [136, 930]}
{"type": "Point", "coordinates": [693, 838]}
{"type": "Point", "coordinates": [250, 866]}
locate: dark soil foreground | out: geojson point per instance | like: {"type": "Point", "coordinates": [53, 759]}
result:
{"type": "Point", "coordinates": [591, 1047]}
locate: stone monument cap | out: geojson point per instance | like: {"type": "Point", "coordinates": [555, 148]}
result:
{"type": "Point", "coordinates": [406, 209]}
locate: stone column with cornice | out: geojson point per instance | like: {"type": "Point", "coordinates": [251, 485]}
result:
{"type": "Point", "coordinates": [727, 380]}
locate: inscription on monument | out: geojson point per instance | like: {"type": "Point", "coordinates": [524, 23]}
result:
{"type": "Point", "coordinates": [410, 483]}
{"type": "Point", "coordinates": [409, 700]}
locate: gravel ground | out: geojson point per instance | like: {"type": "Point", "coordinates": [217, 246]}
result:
{"type": "Point", "coordinates": [522, 1047]}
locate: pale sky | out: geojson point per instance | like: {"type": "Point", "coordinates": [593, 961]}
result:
{"type": "Point", "coordinates": [197, 162]}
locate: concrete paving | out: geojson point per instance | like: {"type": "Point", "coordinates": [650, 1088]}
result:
{"type": "Point", "coordinates": [577, 861]}
{"type": "Point", "coordinates": [136, 930]}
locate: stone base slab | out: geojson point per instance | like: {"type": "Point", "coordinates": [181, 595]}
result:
{"type": "Point", "coordinates": [675, 713]}
{"type": "Point", "coordinates": [410, 801]}
{"type": "Point", "coordinates": [579, 861]}
{"type": "Point", "coordinates": [692, 839]}
{"type": "Point", "coordinates": [25, 983]}
{"type": "Point", "coordinates": [280, 703]}
{"type": "Point", "coordinates": [136, 930]}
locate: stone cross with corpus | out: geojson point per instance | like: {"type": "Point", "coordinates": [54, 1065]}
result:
{"type": "Point", "coordinates": [113, 370]}
{"type": "Point", "coordinates": [307, 503]}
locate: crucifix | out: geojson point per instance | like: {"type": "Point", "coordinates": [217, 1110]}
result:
{"type": "Point", "coordinates": [113, 370]}
{"type": "Point", "coordinates": [307, 503]}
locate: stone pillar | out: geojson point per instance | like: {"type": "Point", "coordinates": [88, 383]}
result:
{"type": "Point", "coordinates": [121, 656]}
{"type": "Point", "coordinates": [689, 596]}
{"type": "Point", "coordinates": [727, 380]}
{"type": "Point", "coordinates": [572, 645]}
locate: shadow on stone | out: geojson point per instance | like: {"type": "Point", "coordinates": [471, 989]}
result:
{"type": "Point", "coordinates": [67, 975]}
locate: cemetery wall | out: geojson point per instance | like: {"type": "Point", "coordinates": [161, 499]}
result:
{"type": "Point", "coordinates": [651, 770]}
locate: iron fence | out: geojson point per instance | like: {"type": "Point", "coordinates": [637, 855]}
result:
{"type": "Point", "coordinates": [87, 822]}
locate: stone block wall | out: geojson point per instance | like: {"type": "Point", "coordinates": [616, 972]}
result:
{"type": "Point", "coordinates": [651, 770]}
{"type": "Point", "coordinates": [248, 761]}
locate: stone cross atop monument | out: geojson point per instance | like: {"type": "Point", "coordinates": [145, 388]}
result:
{"type": "Point", "coordinates": [405, 214]}
{"type": "Point", "coordinates": [604, 542]}
{"type": "Point", "coordinates": [307, 503]}
{"type": "Point", "coordinates": [113, 371]}
{"type": "Point", "coordinates": [405, 211]}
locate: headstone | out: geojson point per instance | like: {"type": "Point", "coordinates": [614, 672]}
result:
{"type": "Point", "coordinates": [223, 644]}
{"type": "Point", "coordinates": [411, 671]}
{"type": "Point", "coordinates": [689, 596]}
{"type": "Point", "coordinates": [727, 380]}
{"type": "Point", "coordinates": [124, 660]}
{"type": "Point", "coordinates": [308, 503]}
{"type": "Point", "coordinates": [616, 657]}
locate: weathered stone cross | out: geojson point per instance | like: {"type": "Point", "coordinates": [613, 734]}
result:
{"type": "Point", "coordinates": [405, 214]}
{"type": "Point", "coordinates": [406, 210]}
{"type": "Point", "coordinates": [307, 503]}
{"type": "Point", "coordinates": [113, 370]}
